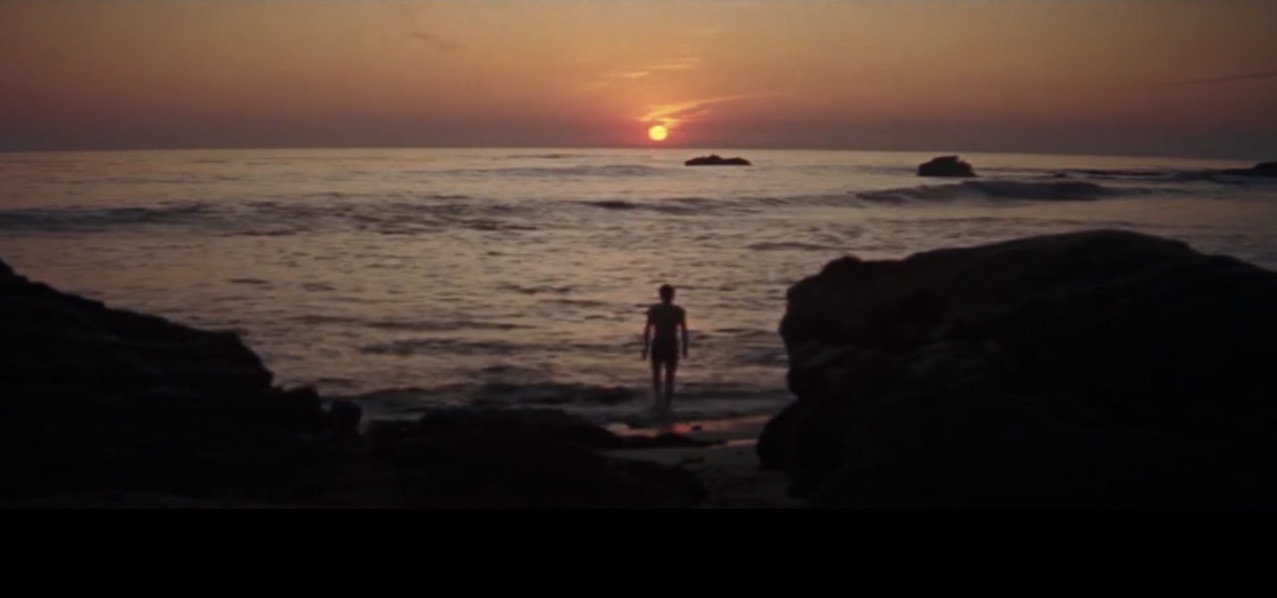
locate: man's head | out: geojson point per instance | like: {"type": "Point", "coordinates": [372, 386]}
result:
{"type": "Point", "coordinates": [667, 293]}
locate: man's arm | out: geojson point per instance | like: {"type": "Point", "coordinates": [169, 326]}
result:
{"type": "Point", "coordinates": [682, 323]}
{"type": "Point", "coordinates": [647, 333]}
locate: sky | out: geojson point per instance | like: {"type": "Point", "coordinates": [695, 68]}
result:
{"type": "Point", "coordinates": [1195, 78]}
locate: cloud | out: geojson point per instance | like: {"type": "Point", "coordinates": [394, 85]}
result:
{"type": "Point", "coordinates": [436, 41]}
{"type": "Point", "coordinates": [1226, 79]}
{"type": "Point", "coordinates": [673, 114]}
{"type": "Point", "coordinates": [681, 64]}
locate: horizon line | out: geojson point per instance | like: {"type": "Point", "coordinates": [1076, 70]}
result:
{"type": "Point", "coordinates": [627, 147]}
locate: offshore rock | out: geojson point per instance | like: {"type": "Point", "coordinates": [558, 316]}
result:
{"type": "Point", "coordinates": [946, 166]}
{"type": "Point", "coordinates": [716, 160]}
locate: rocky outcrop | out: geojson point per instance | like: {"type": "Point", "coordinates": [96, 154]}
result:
{"type": "Point", "coordinates": [946, 166]}
{"type": "Point", "coordinates": [100, 399]}
{"type": "Point", "coordinates": [1264, 169]}
{"type": "Point", "coordinates": [493, 458]}
{"type": "Point", "coordinates": [716, 160]}
{"type": "Point", "coordinates": [1099, 368]}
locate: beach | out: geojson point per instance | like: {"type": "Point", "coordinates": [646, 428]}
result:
{"type": "Point", "coordinates": [729, 468]}
{"type": "Point", "coordinates": [914, 388]}
{"type": "Point", "coordinates": [731, 471]}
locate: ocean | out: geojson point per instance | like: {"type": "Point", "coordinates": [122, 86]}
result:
{"type": "Point", "coordinates": [410, 278]}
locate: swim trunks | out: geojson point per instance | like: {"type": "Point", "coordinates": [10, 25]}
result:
{"type": "Point", "coordinates": [665, 351]}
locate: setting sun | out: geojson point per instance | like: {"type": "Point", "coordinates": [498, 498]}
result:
{"type": "Point", "coordinates": [657, 133]}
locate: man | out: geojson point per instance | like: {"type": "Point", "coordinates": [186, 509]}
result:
{"type": "Point", "coordinates": [667, 321]}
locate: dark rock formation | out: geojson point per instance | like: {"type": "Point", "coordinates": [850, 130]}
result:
{"type": "Point", "coordinates": [1264, 169]}
{"type": "Point", "coordinates": [716, 160]}
{"type": "Point", "coordinates": [1099, 368]}
{"type": "Point", "coordinates": [540, 459]}
{"type": "Point", "coordinates": [946, 166]}
{"type": "Point", "coordinates": [99, 399]}
{"type": "Point", "coordinates": [345, 417]}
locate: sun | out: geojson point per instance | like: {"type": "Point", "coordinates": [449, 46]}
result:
{"type": "Point", "coordinates": [657, 133]}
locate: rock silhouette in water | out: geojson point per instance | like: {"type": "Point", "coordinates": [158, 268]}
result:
{"type": "Point", "coordinates": [1263, 169]}
{"type": "Point", "coordinates": [946, 166]}
{"type": "Point", "coordinates": [716, 160]}
{"type": "Point", "coordinates": [1098, 368]}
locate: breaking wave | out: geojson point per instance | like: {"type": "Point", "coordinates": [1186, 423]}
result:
{"type": "Point", "coordinates": [790, 246]}
{"type": "Point", "coordinates": [558, 172]}
{"type": "Point", "coordinates": [279, 218]}
{"type": "Point", "coordinates": [1026, 190]}
{"type": "Point", "coordinates": [79, 220]}
{"type": "Point", "coordinates": [602, 403]}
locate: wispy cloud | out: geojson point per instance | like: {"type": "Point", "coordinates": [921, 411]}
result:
{"type": "Point", "coordinates": [1225, 79]}
{"type": "Point", "coordinates": [681, 64]}
{"type": "Point", "coordinates": [437, 41]}
{"type": "Point", "coordinates": [673, 114]}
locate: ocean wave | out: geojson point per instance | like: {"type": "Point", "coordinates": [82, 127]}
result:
{"type": "Point", "coordinates": [675, 207]}
{"type": "Point", "coordinates": [551, 156]}
{"type": "Point", "coordinates": [819, 199]}
{"type": "Point", "coordinates": [613, 204]}
{"type": "Point", "coordinates": [489, 225]}
{"type": "Point", "coordinates": [1148, 174]}
{"type": "Point", "coordinates": [603, 403]}
{"type": "Point", "coordinates": [249, 219]}
{"type": "Point", "coordinates": [1160, 175]}
{"type": "Point", "coordinates": [554, 172]}
{"type": "Point", "coordinates": [499, 394]}
{"type": "Point", "coordinates": [271, 218]}
{"type": "Point", "coordinates": [1027, 190]}
{"type": "Point", "coordinates": [81, 220]}
{"type": "Point", "coordinates": [535, 289]}
{"type": "Point", "coordinates": [789, 246]}
{"type": "Point", "coordinates": [249, 281]}
{"type": "Point", "coordinates": [405, 348]}
{"type": "Point", "coordinates": [435, 325]}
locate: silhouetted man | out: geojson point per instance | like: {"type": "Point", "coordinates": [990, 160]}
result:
{"type": "Point", "coordinates": [667, 321]}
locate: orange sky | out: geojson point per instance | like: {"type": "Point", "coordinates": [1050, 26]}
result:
{"type": "Point", "coordinates": [1178, 77]}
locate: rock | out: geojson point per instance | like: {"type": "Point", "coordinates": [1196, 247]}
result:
{"type": "Point", "coordinates": [946, 166]}
{"type": "Point", "coordinates": [94, 399]}
{"type": "Point", "coordinates": [716, 160]}
{"type": "Point", "coordinates": [345, 416]}
{"type": "Point", "coordinates": [1098, 368]}
{"type": "Point", "coordinates": [494, 458]}
{"type": "Point", "coordinates": [1264, 169]}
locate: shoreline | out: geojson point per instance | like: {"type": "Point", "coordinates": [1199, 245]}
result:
{"type": "Point", "coordinates": [730, 470]}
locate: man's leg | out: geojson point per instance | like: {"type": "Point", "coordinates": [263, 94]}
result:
{"type": "Point", "coordinates": [656, 385]}
{"type": "Point", "coordinates": [670, 369]}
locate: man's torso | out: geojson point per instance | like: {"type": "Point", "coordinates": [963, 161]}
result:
{"type": "Point", "coordinates": [665, 320]}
